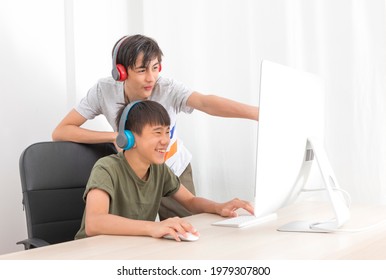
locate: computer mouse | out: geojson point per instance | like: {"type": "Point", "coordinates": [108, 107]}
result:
{"type": "Point", "coordinates": [189, 237]}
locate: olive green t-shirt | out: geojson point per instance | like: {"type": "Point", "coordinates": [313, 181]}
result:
{"type": "Point", "coordinates": [130, 196]}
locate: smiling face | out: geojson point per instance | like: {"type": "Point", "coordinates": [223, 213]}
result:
{"type": "Point", "coordinates": [141, 79]}
{"type": "Point", "coordinates": [150, 124]}
{"type": "Point", "coordinates": [152, 143]}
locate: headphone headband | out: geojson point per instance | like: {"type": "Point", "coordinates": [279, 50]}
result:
{"type": "Point", "coordinates": [125, 138]}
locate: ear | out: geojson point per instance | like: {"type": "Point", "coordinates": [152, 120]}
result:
{"type": "Point", "coordinates": [135, 141]}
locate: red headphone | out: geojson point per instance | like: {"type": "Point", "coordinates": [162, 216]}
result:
{"type": "Point", "coordinates": [119, 72]}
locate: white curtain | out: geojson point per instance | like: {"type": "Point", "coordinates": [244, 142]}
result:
{"type": "Point", "coordinates": [216, 46]}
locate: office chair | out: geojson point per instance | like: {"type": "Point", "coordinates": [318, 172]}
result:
{"type": "Point", "coordinates": [53, 179]}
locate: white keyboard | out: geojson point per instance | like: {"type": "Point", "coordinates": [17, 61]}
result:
{"type": "Point", "coordinates": [245, 220]}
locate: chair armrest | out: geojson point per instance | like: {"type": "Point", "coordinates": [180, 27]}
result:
{"type": "Point", "coordinates": [31, 243]}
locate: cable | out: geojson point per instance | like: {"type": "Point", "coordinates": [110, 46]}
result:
{"type": "Point", "coordinates": [346, 195]}
{"type": "Point", "coordinates": [347, 198]}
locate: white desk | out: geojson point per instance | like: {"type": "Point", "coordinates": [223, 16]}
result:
{"type": "Point", "coordinates": [256, 242]}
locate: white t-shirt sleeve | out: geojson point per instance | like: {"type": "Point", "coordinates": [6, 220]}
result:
{"type": "Point", "coordinates": [172, 93]}
{"type": "Point", "coordinates": [90, 107]}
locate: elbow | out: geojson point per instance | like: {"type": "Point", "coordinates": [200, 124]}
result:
{"type": "Point", "coordinates": [56, 135]}
{"type": "Point", "coordinates": [90, 229]}
{"type": "Point", "coordinates": [94, 224]}
{"type": "Point", "coordinates": [61, 133]}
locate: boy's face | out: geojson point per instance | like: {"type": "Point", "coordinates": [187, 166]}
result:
{"type": "Point", "coordinates": [141, 80]}
{"type": "Point", "coordinates": [151, 145]}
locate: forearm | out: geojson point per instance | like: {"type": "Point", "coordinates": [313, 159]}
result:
{"type": "Point", "coordinates": [82, 135]}
{"type": "Point", "coordinates": [222, 107]}
{"type": "Point", "coordinates": [115, 225]}
{"type": "Point", "coordinates": [227, 209]}
{"type": "Point", "coordinates": [198, 205]}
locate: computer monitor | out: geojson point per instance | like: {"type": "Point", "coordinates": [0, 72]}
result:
{"type": "Point", "coordinates": [291, 110]}
{"type": "Point", "coordinates": [290, 140]}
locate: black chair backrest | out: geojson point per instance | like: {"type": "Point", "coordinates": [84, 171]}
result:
{"type": "Point", "coordinates": [53, 179]}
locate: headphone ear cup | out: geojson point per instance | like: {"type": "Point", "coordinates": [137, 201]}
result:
{"type": "Point", "coordinates": [121, 72]}
{"type": "Point", "coordinates": [125, 138]}
{"type": "Point", "coordinates": [130, 140]}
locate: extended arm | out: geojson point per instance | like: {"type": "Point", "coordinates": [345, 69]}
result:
{"type": "Point", "coordinates": [222, 107]}
{"type": "Point", "coordinates": [69, 130]}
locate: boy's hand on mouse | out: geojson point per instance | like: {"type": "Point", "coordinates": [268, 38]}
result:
{"type": "Point", "coordinates": [173, 226]}
{"type": "Point", "coordinates": [228, 209]}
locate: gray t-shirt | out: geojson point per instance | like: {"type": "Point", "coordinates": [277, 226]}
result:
{"type": "Point", "coordinates": [130, 196]}
{"type": "Point", "coordinates": [107, 96]}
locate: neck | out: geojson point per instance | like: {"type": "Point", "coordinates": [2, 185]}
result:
{"type": "Point", "coordinates": [139, 167]}
{"type": "Point", "coordinates": [128, 93]}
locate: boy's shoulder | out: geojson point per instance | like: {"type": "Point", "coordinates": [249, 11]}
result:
{"type": "Point", "coordinates": [108, 81]}
{"type": "Point", "coordinates": [110, 160]}
{"type": "Point", "coordinates": [166, 82]}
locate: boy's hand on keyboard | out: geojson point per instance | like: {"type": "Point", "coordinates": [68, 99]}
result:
{"type": "Point", "coordinates": [228, 209]}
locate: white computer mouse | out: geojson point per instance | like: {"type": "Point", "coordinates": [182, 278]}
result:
{"type": "Point", "coordinates": [189, 237]}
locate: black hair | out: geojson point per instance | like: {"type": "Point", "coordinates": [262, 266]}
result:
{"type": "Point", "coordinates": [144, 113]}
{"type": "Point", "coordinates": [134, 45]}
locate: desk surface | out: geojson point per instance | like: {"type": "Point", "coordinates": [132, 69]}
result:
{"type": "Point", "coordinates": [256, 242]}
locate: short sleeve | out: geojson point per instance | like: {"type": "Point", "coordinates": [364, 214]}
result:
{"type": "Point", "coordinates": [99, 179]}
{"type": "Point", "coordinates": [90, 107]}
{"type": "Point", "coordinates": [172, 93]}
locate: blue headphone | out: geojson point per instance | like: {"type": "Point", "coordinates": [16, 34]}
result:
{"type": "Point", "coordinates": [125, 139]}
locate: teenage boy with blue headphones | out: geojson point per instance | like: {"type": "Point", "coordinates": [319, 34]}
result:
{"type": "Point", "coordinates": [135, 76]}
{"type": "Point", "coordinates": [124, 190]}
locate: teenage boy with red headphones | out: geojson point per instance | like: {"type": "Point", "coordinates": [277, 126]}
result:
{"type": "Point", "coordinates": [135, 76]}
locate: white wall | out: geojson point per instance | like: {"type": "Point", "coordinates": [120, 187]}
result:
{"type": "Point", "coordinates": [52, 51]}
{"type": "Point", "coordinates": [33, 90]}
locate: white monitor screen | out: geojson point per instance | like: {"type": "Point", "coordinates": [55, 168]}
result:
{"type": "Point", "coordinates": [291, 110]}
{"type": "Point", "coordinates": [289, 141]}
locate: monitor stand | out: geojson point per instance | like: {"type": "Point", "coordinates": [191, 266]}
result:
{"type": "Point", "coordinates": [314, 150]}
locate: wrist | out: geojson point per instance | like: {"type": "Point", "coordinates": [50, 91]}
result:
{"type": "Point", "coordinates": [218, 208]}
{"type": "Point", "coordinates": [113, 137]}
